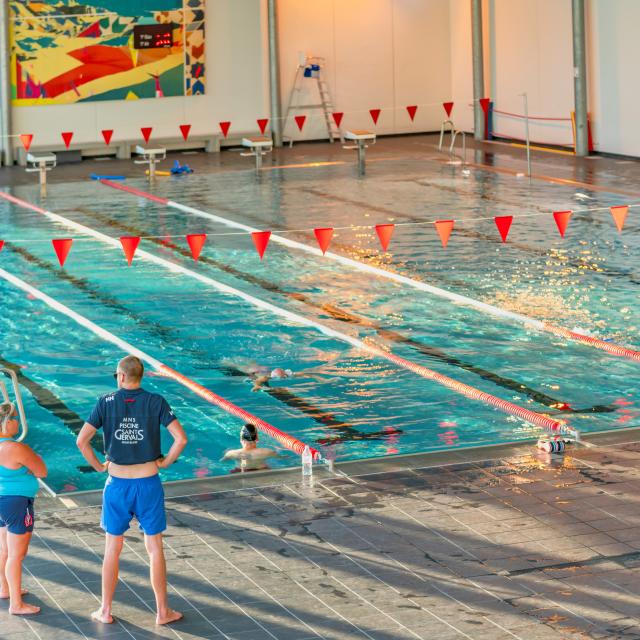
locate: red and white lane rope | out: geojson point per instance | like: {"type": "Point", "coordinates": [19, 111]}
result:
{"type": "Point", "coordinates": [283, 438]}
{"type": "Point", "coordinates": [531, 323]}
{"type": "Point", "coordinates": [534, 418]}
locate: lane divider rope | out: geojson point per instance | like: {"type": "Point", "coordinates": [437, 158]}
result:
{"type": "Point", "coordinates": [459, 387]}
{"type": "Point", "coordinates": [533, 323]}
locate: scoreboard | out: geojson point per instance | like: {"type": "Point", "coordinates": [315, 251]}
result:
{"type": "Point", "coordinates": [153, 36]}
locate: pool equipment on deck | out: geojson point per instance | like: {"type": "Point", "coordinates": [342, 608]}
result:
{"type": "Point", "coordinates": [42, 163]}
{"type": "Point", "coordinates": [485, 307]}
{"type": "Point", "coordinates": [283, 438]}
{"type": "Point", "coordinates": [18, 400]}
{"type": "Point", "coordinates": [151, 157]}
{"type": "Point", "coordinates": [259, 146]}
{"type": "Point", "coordinates": [362, 139]}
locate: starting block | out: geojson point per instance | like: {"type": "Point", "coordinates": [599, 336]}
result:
{"type": "Point", "coordinates": [362, 139]}
{"type": "Point", "coordinates": [151, 157]}
{"type": "Point", "coordinates": [259, 146]}
{"type": "Point", "coordinates": [41, 162]}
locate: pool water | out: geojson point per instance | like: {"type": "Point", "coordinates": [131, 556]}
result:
{"type": "Point", "coordinates": [343, 400]}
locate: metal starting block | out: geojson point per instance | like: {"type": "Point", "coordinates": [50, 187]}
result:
{"type": "Point", "coordinates": [151, 157]}
{"type": "Point", "coordinates": [362, 139]}
{"type": "Point", "coordinates": [260, 146]}
{"type": "Point", "coordinates": [41, 162]}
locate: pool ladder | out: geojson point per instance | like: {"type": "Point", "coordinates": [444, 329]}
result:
{"type": "Point", "coordinates": [18, 400]}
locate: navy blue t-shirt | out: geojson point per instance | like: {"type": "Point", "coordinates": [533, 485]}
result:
{"type": "Point", "coordinates": [130, 420]}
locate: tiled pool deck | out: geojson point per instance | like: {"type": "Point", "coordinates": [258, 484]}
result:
{"type": "Point", "coordinates": [525, 546]}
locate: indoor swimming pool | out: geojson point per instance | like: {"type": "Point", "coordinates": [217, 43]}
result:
{"type": "Point", "coordinates": [343, 400]}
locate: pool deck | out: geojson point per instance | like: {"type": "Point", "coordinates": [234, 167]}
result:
{"type": "Point", "coordinates": [522, 545]}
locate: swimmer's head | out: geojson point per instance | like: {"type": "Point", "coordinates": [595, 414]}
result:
{"type": "Point", "coordinates": [281, 373]}
{"type": "Point", "coordinates": [249, 433]}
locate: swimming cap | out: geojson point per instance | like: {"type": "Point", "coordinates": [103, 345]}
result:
{"type": "Point", "coordinates": [249, 433]}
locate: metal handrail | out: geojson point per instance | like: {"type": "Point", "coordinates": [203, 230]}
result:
{"type": "Point", "coordinates": [451, 128]}
{"type": "Point", "coordinates": [18, 401]}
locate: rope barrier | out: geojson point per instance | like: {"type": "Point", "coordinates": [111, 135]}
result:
{"type": "Point", "coordinates": [524, 117]}
{"type": "Point", "coordinates": [285, 439]}
{"type": "Point", "coordinates": [485, 307]}
{"type": "Point", "coordinates": [463, 389]}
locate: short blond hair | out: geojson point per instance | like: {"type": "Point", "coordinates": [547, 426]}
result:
{"type": "Point", "coordinates": [132, 368]}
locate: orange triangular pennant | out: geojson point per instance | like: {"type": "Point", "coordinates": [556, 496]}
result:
{"type": "Point", "coordinates": [62, 247]}
{"type": "Point", "coordinates": [562, 220]}
{"type": "Point", "coordinates": [196, 242]}
{"type": "Point", "coordinates": [129, 246]}
{"type": "Point", "coordinates": [261, 240]}
{"type": "Point", "coordinates": [504, 224]}
{"type": "Point", "coordinates": [385, 231]}
{"type": "Point", "coordinates": [323, 236]}
{"type": "Point", "coordinates": [444, 228]}
{"type": "Point", "coordinates": [619, 214]}
{"type": "Point", "coordinates": [26, 139]}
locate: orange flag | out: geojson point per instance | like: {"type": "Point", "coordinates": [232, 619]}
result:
{"type": "Point", "coordinates": [444, 227]}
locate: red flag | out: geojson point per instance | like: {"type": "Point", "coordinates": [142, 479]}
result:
{"type": "Point", "coordinates": [262, 123]}
{"type": "Point", "coordinates": [224, 127]}
{"type": "Point", "coordinates": [562, 220]}
{"type": "Point", "coordinates": [504, 224]}
{"type": "Point", "coordinates": [385, 231]}
{"type": "Point", "coordinates": [337, 118]}
{"type": "Point", "coordinates": [261, 240]}
{"type": "Point", "coordinates": [620, 215]}
{"type": "Point", "coordinates": [129, 246]}
{"type": "Point", "coordinates": [146, 133]}
{"type": "Point", "coordinates": [26, 139]}
{"type": "Point", "coordinates": [411, 110]}
{"type": "Point", "coordinates": [444, 227]}
{"type": "Point", "coordinates": [484, 103]}
{"type": "Point", "coordinates": [323, 236]}
{"type": "Point", "coordinates": [184, 130]}
{"type": "Point", "coordinates": [375, 114]}
{"type": "Point", "coordinates": [448, 107]}
{"type": "Point", "coordinates": [1, 244]}
{"type": "Point", "coordinates": [300, 121]}
{"type": "Point", "coordinates": [66, 137]}
{"type": "Point", "coordinates": [107, 134]}
{"type": "Point", "coordinates": [62, 248]}
{"type": "Point", "coordinates": [196, 242]}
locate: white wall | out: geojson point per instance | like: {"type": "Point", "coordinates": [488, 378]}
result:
{"type": "Point", "coordinates": [384, 54]}
{"type": "Point", "coordinates": [237, 90]}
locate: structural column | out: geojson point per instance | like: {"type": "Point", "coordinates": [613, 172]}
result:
{"type": "Point", "coordinates": [580, 78]}
{"type": "Point", "coordinates": [478, 68]}
{"type": "Point", "coordinates": [274, 73]}
{"type": "Point", "coordinates": [5, 87]}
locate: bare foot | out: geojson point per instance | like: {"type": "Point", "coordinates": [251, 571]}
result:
{"type": "Point", "coordinates": [169, 616]}
{"type": "Point", "coordinates": [100, 616]}
{"type": "Point", "coordinates": [4, 595]}
{"type": "Point", "coordinates": [24, 609]}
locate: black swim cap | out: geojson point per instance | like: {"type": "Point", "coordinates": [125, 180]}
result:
{"type": "Point", "coordinates": [249, 433]}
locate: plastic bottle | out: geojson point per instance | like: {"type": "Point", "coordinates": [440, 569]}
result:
{"type": "Point", "coordinates": [307, 462]}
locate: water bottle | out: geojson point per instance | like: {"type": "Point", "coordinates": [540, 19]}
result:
{"type": "Point", "coordinates": [307, 462]}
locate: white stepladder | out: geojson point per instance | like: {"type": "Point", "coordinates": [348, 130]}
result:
{"type": "Point", "coordinates": [42, 163]}
{"type": "Point", "coordinates": [454, 134]}
{"type": "Point", "coordinates": [259, 146]}
{"type": "Point", "coordinates": [311, 68]}
{"type": "Point", "coordinates": [18, 399]}
{"type": "Point", "coordinates": [151, 157]}
{"type": "Point", "coordinates": [362, 139]}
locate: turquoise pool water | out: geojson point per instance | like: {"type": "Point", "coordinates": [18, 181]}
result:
{"type": "Point", "coordinates": [357, 405]}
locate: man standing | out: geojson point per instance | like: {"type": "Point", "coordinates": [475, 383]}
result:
{"type": "Point", "coordinates": [130, 420]}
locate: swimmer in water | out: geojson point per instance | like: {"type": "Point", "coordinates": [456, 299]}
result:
{"type": "Point", "coordinates": [251, 456]}
{"type": "Point", "coordinates": [260, 374]}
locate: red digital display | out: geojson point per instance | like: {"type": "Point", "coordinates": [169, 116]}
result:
{"type": "Point", "coordinates": [153, 36]}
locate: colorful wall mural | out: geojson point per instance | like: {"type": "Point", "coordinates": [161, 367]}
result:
{"type": "Point", "coordinates": [65, 51]}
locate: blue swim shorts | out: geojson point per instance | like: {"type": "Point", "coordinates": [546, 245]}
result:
{"type": "Point", "coordinates": [124, 498]}
{"type": "Point", "coordinates": [16, 513]}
